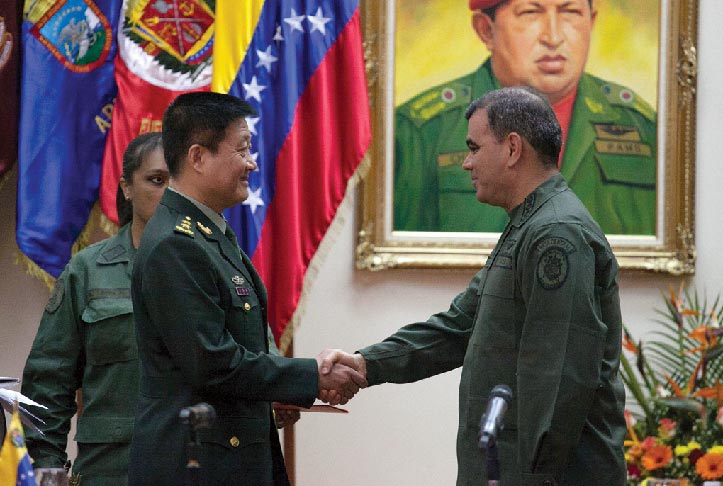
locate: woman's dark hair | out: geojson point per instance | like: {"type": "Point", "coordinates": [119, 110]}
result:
{"type": "Point", "coordinates": [138, 149]}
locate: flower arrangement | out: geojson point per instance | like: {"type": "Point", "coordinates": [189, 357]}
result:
{"type": "Point", "coordinates": [674, 380]}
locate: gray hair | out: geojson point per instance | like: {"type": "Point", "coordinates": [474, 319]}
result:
{"type": "Point", "coordinates": [525, 111]}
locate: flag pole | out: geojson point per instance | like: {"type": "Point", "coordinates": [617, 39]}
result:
{"type": "Point", "coordinates": [289, 436]}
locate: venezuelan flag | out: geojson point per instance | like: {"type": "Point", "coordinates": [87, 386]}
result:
{"type": "Point", "coordinates": [300, 64]}
{"type": "Point", "coordinates": [15, 467]}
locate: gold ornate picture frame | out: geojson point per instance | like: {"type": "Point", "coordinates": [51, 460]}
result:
{"type": "Point", "coordinates": [670, 250]}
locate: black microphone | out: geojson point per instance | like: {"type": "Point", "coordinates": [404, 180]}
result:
{"type": "Point", "coordinates": [199, 416]}
{"type": "Point", "coordinates": [491, 423]}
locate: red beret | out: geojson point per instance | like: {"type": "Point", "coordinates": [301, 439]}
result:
{"type": "Point", "coordinates": [480, 4]}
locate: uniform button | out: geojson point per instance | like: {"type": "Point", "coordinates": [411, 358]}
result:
{"type": "Point", "coordinates": [247, 306]}
{"type": "Point", "coordinates": [547, 482]}
{"type": "Point", "coordinates": [234, 441]}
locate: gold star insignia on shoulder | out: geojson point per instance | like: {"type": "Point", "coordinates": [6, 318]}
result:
{"type": "Point", "coordinates": [184, 226]}
{"type": "Point", "coordinates": [203, 228]}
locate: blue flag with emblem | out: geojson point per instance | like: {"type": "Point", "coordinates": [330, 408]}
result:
{"type": "Point", "coordinates": [66, 104]}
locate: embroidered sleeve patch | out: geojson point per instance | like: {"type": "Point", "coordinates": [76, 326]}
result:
{"type": "Point", "coordinates": [553, 264]}
{"type": "Point", "coordinates": [57, 298]}
{"type": "Point", "coordinates": [552, 268]}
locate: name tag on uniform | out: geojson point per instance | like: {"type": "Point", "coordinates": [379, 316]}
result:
{"type": "Point", "coordinates": [243, 291]}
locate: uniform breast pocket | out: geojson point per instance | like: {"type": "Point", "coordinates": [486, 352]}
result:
{"type": "Point", "coordinates": [495, 325]}
{"type": "Point", "coordinates": [498, 292]}
{"type": "Point", "coordinates": [246, 322]}
{"type": "Point", "coordinates": [109, 331]}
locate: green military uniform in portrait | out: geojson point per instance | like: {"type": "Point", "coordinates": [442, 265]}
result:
{"type": "Point", "coordinates": [86, 339]}
{"type": "Point", "coordinates": [200, 310]}
{"type": "Point", "coordinates": [542, 317]}
{"type": "Point", "coordinates": [609, 158]}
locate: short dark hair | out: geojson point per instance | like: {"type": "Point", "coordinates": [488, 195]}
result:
{"type": "Point", "coordinates": [135, 153]}
{"type": "Point", "coordinates": [198, 118]}
{"type": "Point", "coordinates": [492, 10]}
{"type": "Point", "coordinates": [523, 110]}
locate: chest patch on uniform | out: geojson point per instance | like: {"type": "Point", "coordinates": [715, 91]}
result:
{"type": "Point", "coordinates": [57, 298]}
{"type": "Point", "coordinates": [504, 258]}
{"type": "Point", "coordinates": [113, 253]}
{"type": "Point", "coordinates": [617, 132]}
{"type": "Point", "coordinates": [620, 140]}
{"type": "Point", "coordinates": [553, 264]}
{"type": "Point", "coordinates": [243, 291]}
{"type": "Point", "coordinates": [623, 148]}
{"type": "Point", "coordinates": [94, 294]}
{"type": "Point", "coordinates": [451, 158]}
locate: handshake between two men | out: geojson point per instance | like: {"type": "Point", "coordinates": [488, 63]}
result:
{"type": "Point", "coordinates": [341, 375]}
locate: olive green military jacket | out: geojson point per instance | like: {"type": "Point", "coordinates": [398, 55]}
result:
{"type": "Point", "coordinates": [86, 339]}
{"type": "Point", "coordinates": [542, 317]}
{"type": "Point", "coordinates": [609, 158]}
{"type": "Point", "coordinates": [200, 310]}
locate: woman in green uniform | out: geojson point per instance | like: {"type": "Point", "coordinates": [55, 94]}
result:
{"type": "Point", "coordinates": [86, 339]}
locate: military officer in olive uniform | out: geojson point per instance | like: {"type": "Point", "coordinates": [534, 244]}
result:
{"type": "Point", "coordinates": [86, 339]}
{"type": "Point", "coordinates": [609, 150]}
{"type": "Point", "coordinates": [200, 311]}
{"type": "Point", "coordinates": [542, 317]}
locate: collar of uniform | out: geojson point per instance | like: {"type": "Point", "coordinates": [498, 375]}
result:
{"type": "Point", "coordinates": [117, 249]}
{"type": "Point", "coordinates": [554, 185]}
{"type": "Point", "coordinates": [215, 218]}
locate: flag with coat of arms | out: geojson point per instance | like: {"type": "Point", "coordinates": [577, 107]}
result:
{"type": "Point", "coordinates": [97, 73]}
{"type": "Point", "coordinates": [15, 466]}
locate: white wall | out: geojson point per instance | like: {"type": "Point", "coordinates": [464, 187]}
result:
{"type": "Point", "coordinates": [402, 434]}
{"type": "Point", "coordinates": [405, 434]}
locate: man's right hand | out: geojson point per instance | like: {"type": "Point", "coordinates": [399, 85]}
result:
{"type": "Point", "coordinates": [331, 360]}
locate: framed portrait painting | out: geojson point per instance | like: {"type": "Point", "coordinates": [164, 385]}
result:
{"type": "Point", "coordinates": [620, 76]}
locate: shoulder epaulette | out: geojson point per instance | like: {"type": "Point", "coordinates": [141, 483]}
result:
{"type": "Point", "coordinates": [621, 96]}
{"type": "Point", "coordinates": [437, 100]}
{"type": "Point", "coordinates": [184, 226]}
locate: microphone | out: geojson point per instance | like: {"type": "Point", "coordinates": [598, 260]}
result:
{"type": "Point", "coordinates": [491, 423]}
{"type": "Point", "coordinates": [199, 416]}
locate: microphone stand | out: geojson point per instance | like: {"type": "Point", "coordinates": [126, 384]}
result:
{"type": "Point", "coordinates": [493, 463]}
{"type": "Point", "coordinates": [199, 416]}
{"type": "Point", "coordinates": [193, 466]}
{"type": "Point", "coordinates": [490, 426]}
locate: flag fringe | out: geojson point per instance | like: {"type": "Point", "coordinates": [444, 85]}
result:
{"type": "Point", "coordinates": [95, 220]}
{"type": "Point", "coordinates": [32, 269]}
{"type": "Point", "coordinates": [327, 242]}
{"type": "Point", "coordinates": [107, 226]}
{"type": "Point", "coordinates": [6, 176]}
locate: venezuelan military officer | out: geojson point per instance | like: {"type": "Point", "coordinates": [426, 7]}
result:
{"type": "Point", "coordinates": [200, 312]}
{"type": "Point", "coordinates": [609, 132]}
{"type": "Point", "coordinates": [542, 317]}
{"type": "Point", "coordinates": [86, 339]}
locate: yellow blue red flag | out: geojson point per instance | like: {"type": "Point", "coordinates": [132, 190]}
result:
{"type": "Point", "coordinates": [300, 64]}
{"type": "Point", "coordinates": [15, 466]}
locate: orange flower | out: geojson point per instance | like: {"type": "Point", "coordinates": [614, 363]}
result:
{"type": "Point", "coordinates": [710, 466]}
{"type": "Point", "coordinates": [635, 451]}
{"type": "Point", "coordinates": [704, 335]}
{"type": "Point", "coordinates": [716, 391]}
{"type": "Point", "coordinates": [629, 344]}
{"type": "Point", "coordinates": [656, 457]}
